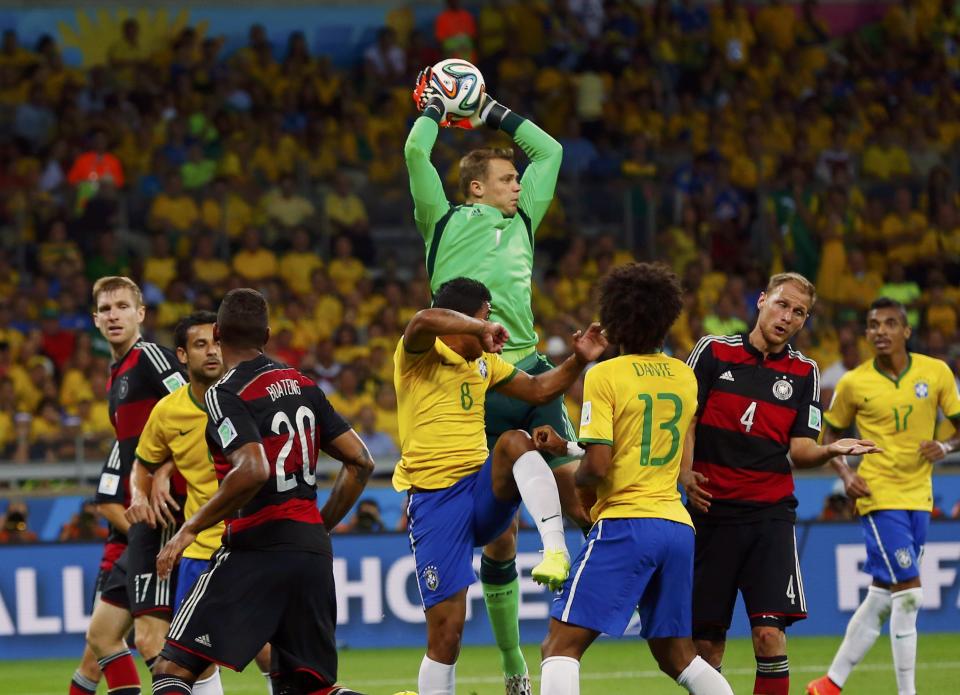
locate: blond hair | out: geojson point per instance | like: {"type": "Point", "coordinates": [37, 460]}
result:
{"type": "Point", "coordinates": [112, 283]}
{"type": "Point", "coordinates": [796, 278]}
{"type": "Point", "coordinates": [473, 166]}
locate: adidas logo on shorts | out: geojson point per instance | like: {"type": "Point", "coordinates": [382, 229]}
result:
{"type": "Point", "coordinates": [204, 640]}
{"type": "Point", "coordinates": [726, 376]}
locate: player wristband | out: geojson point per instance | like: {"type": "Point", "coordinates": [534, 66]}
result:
{"type": "Point", "coordinates": [434, 109]}
{"type": "Point", "coordinates": [945, 447]}
{"type": "Point", "coordinates": [575, 450]}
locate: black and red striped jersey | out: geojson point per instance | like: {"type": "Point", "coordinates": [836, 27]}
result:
{"type": "Point", "coordinates": [748, 409]}
{"type": "Point", "coordinates": [137, 381]}
{"type": "Point", "coordinates": [262, 401]}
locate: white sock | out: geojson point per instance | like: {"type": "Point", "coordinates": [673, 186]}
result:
{"type": "Point", "coordinates": [436, 678]}
{"type": "Point", "coordinates": [700, 678]}
{"type": "Point", "coordinates": [559, 675]}
{"type": "Point", "coordinates": [538, 489]}
{"type": "Point", "coordinates": [862, 631]}
{"type": "Point", "coordinates": [269, 682]}
{"type": "Point", "coordinates": [209, 686]}
{"type": "Point", "coordinates": [903, 637]}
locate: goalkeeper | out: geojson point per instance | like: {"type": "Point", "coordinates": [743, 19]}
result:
{"type": "Point", "coordinates": [490, 238]}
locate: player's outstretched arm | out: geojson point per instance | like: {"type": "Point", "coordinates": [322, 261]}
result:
{"type": "Point", "coordinates": [854, 485]}
{"type": "Point", "coordinates": [357, 468]}
{"type": "Point", "coordinates": [250, 471]}
{"type": "Point", "coordinates": [539, 181]}
{"type": "Point", "coordinates": [429, 201]}
{"type": "Point", "coordinates": [429, 324]}
{"type": "Point", "coordinates": [806, 453]}
{"type": "Point", "coordinates": [543, 388]}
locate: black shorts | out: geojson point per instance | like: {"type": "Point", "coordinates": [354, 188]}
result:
{"type": "Point", "coordinates": [246, 598]}
{"type": "Point", "coordinates": [133, 583]}
{"type": "Point", "coordinates": [760, 560]}
{"type": "Point", "coordinates": [102, 576]}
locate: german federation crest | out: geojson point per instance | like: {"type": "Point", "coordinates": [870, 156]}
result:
{"type": "Point", "coordinates": [922, 389]}
{"type": "Point", "coordinates": [124, 388]}
{"type": "Point", "coordinates": [782, 389]}
{"type": "Point", "coordinates": [903, 557]}
{"type": "Point", "coordinates": [482, 368]}
{"type": "Point", "coordinates": [431, 577]}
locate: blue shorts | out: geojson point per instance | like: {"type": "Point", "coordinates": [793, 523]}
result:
{"type": "Point", "coordinates": [895, 539]}
{"type": "Point", "coordinates": [626, 565]}
{"type": "Point", "coordinates": [446, 525]}
{"type": "Point", "coordinates": [190, 569]}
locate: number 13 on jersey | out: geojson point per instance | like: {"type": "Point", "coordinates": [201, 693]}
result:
{"type": "Point", "coordinates": [670, 426]}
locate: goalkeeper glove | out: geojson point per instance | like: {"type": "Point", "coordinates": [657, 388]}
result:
{"type": "Point", "coordinates": [425, 97]}
{"type": "Point", "coordinates": [490, 113]}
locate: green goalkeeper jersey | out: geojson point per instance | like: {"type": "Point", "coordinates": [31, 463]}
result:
{"type": "Point", "coordinates": [476, 240]}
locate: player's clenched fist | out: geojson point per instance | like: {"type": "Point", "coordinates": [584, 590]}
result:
{"type": "Point", "coordinates": [493, 336]}
{"type": "Point", "coordinates": [545, 438]}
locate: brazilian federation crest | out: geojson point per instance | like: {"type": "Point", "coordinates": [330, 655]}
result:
{"type": "Point", "coordinates": [431, 577]}
{"type": "Point", "coordinates": [922, 389]}
{"type": "Point", "coordinates": [782, 389]}
{"type": "Point", "coordinates": [903, 557]}
{"type": "Point", "coordinates": [482, 368]}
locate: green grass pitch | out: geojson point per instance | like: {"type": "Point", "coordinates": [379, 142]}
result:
{"type": "Point", "coordinates": [623, 666]}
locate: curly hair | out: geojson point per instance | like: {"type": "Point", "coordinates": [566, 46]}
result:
{"type": "Point", "coordinates": [638, 304]}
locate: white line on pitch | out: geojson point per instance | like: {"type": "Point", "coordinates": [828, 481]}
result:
{"type": "Point", "coordinates": [611, 675]}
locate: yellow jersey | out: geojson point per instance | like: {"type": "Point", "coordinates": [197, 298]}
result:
{"type": "Point", "coordinates": [642, 406]}
{"type": "Point", "coordinates": [175, 429]}
{"type": "Point", "coordinates": [440, 413]}
{"type": "Point", "coordinates": [897, 414]}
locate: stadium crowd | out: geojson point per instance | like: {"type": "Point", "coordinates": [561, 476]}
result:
{"type": "Point", "coordinates": [751, 138]}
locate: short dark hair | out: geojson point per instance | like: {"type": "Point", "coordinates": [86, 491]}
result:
{"type": "Point", "coordinates": [197, 318]}
{"type": "Point", "coordinates": [243, 319]}
{"type": "Point", "coordinates": [461, 294]}
{"type": "Point", "coordinates": [890, 303]}
{"type": "Point", "coordinates": [638, 304]}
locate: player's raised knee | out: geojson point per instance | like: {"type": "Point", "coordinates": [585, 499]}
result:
{"type": "Point", "coordinates": [514, 443]}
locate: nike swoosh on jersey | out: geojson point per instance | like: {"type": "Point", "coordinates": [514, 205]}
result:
{"type": "Point", "coordinates": [448, 364]}
{"type": "Point", "coordinates": [184, 434]}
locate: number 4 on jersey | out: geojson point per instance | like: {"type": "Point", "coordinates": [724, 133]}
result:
{"type": "Point", "coordinates": [747, 418]}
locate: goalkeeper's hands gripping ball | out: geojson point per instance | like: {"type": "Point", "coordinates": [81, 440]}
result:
{"type": "Point", "coordinates": [424, 96]}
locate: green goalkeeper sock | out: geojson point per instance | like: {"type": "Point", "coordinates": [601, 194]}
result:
{"type": "Point", "coordinates": [501, 593]}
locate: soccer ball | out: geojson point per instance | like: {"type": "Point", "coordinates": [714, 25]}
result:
{"type": "Point", "coordinates": [460, 85]}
